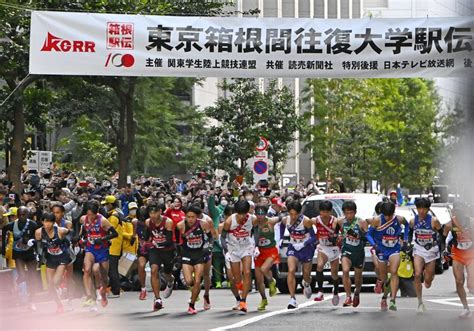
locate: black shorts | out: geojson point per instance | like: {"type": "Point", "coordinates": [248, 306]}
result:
{"type": "Point", "coordinates": [192, 257]}
{"type": "Point", "coordinates": [143, 251]}
{"type": "Point", "coordinates": [162, 257]}
{"type": "Point", "coordinates": [26, 256]}
{"type": "Point", "coordinates": [54, 261]}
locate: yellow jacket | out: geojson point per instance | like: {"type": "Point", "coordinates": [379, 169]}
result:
{"type": "Point", "coordinates": [127, 227]}
{"type": "Point", "coordinates": [116, 246]}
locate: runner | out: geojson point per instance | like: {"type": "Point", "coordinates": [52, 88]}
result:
{"type": "Point", "coordinates": [96, 231]}
{"type": "Point", "coordinates": [300, 250]}
{"type": "Point", "coordinates": [194, 253]}
{"type": "Point", "coordinates": [236, 239]}
{"type": "Point", "coordinates": [23, 230]}
{"type": "Point", "coordinates": [162, 252]}
{"type": "Point", "coordinates": [52, 242]}
{"type": "Point", "coordinates": [328, 251]}
{"type": "Point", "coordinates": [425, 247]}
{"type": "Point", "coordinates": [61, 221]}
{"type": "Point", "coordinates": [228, 211]}
{"type": "Point", "coordinates": [209, 240]}
{"type": "Point", "coordinates": [463, 253]}
{"type": "Point", "coordinates": [384, 235]}
{"type": "Point", "coordinates": [266, 253]}
{"type": "Point", "coordinates": [353, 254]}
{"type": "Point", "coordinates": [144, 245]}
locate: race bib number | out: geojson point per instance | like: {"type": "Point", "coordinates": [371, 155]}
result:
{"type": "Point", "coordinates": [263, 242]}
{"type": "Point", "coordinates": [424, 237]}
{"type": "Point", "coordinates": [389, 241]}
{"type": "Point", "coordinates": [20, 246]}
{"type": "Point", "coordinates": [55, 250]}
{"type": "Point", "coordinates": [352, 241]}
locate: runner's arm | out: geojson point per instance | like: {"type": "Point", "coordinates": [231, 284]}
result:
{"type": "Point", "coordinates": [225, 228]}
{"type": "Point", "coordinates": [111, 232]}
{"type": "Point", "coordinates": [370, 236]}
{"type": "Point", "coordinates": [312, 235]}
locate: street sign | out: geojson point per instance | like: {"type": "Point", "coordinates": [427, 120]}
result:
{"type": "Point", "coordinates": [260, 167]}
{"type": "Point", "coordinates": [39, 160]}
{"type": "Point", "coordinates": [262, 144]}
{"type": "Point", "coordinates": [289, 181]}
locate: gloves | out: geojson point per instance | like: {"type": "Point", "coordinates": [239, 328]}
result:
{"type": "Point", "coordinates": [98, 241]}
{"type": "Point", "coordinates": [257, 252]}
{"type": "Point", "coordinates": [298, 246]}
{"type": "Point", "coordinates": [30, 242]}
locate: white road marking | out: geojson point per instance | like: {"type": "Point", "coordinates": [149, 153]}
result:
{"type": "Point", "coordinates": [453, 301]}
{"type": "Point", "coordinates": [270, 314]}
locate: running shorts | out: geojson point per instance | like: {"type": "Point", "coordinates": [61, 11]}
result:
{"type": "Point", "coordinates": [100, 255]}
{"type": "Point", "coordinates": [356, 257]}
{"type": "Point", "coordinates": [54, 261]}
{"type": "Point", "coordinates": [193, 257]}
{"type": "Point", "coordinates": [304, 255]}
{"type": "Point", "coordinates": [162, 257]}
{"type": "Point", "coordinates": [427, 255]}
{"type": "Point", "coordinates": [239, 252]}
{"type": "Point", "coordinates": [463, 256]}
{"type": "Point", "coordinates": [383, 255]}
{"type": "Point", "coordinates": [266, 253]}
{"type": "Point", "coordinates": [332, 252]}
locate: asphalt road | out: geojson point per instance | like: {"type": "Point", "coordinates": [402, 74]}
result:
{"type": "Point", "coordinates": [129, 313]}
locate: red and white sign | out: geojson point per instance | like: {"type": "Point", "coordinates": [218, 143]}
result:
{"type": "Point", "coordinates": [262, 144]}
{"type": "Point", "coordinates": [68, 43]}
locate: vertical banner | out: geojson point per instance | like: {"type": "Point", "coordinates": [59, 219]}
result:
{"type": "Point", "coordinates": [137, 45]}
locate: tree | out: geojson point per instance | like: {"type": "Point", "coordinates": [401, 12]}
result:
{"type": "Point", "coordinates": [374, 129]}
{"type": "Point", "coordinates": [14, 31]}
{"type": "Point", "coordinates": [245, 115]}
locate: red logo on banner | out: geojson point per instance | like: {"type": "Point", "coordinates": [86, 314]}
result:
{"type": "Point", "coordinates": [120, 60]}
{"type": "Point", "coordinates": [119, 35]}
{"type": "Point", "coordinates": [56, 44]}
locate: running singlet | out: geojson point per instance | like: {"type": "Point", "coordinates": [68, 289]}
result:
{"type": "Point", "coordinates": [158, 234]}
{"type": "Point", "coordinates": [387, 234]}
{"type": "Point", "coordinates": [298, 232]}
{"type": "Point", "coordinates": [54, 246]}
{"type": "Point", "coordinates": [18, 244]}
{"type": "Point", "coordinates": [462, 237]}
{"type": "Point", "coordinates": [266, 236]}
{"type": "Point", "coordinates": [94, 231]}
{"type": "Point", "coordinates": [352, 235]}
{"type": "Point", "coordinates": [423, 232]}
{"type": "Point", "coordinates": [193, 237]}
{"type": "Point", "coordinates": [240, 234]}
{"type": "Point", "coordinates": [325, 232]}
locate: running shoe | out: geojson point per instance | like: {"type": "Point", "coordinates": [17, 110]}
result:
{"type": "Point", "coordinates": [383, 305]}
{"type": "Point", "coordinates": [192, 311]}
{"type": "Point", "coordinates": [263, 305]}
{"type": "Point", "coordinates": [88, 303]}
{"type": "Point", "coordinates": [356, 300]}
{"type": "Point", "coordinates": [237, 305]}
{"type": "Point", "coordinates": [347, 302]}
{"type": "Point", "coordinates": [142, 295]}
{"type": "Point", "coordinates": [421, 308]}
{"type": "Point", "coordinates": [32, 307]}
{"type": "Point", "coordinates": [292, 304]}
{"type": "Point", "coordinates": [93, 307]}
{"type": "Point", "coordinates": [243, 307]}
{"type": "Point", "coordinates": [393, 306]}
{"type": "Point", "coordinates": [103, 293]}
{"type": "Point", "coordinates": [207, 303]}
{"type": "Point", "coordinates": [168, 290]}
{"type": "Point", "coordinates": [378, 286]}
{"type": "Point", "coordinates": [335, 299]}
{"type": "Point", "coordinates": [157, 305]}
{"type": "Point", "coordinates": [307, 290]}
{"type": "Point", "coordinates": [466, 314]}
{"type": "Point", "coordinates": [319, 296]}
{"type": "Point", "coordinates": [272, 287]}
{"type": "Point", "coordinates": [218, 285]}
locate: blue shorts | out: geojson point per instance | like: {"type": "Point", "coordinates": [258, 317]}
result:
{"type": "Point", "coordinates": [304, 255]}
{"type": "Point", "coordinates": [100, 255]}
{"type": "Point", "coordinates": [383, 254]}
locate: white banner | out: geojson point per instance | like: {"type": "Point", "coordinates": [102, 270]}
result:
{"type": "Point", "coordinates": [136, 45]}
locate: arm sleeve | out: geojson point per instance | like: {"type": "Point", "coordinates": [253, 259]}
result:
{"type": "Point", "coordinates": [370, 235]}
{"type": "Point", "coordinates": [312, 237]}
{"type": "Point", "coordinates": [111, 233]}
{"type": "Point", "coordinates": [406, 231]}
{"type": "Point", "coordinates": [223, 240]}
{"type": "Point", "coordinates": [169, 239]}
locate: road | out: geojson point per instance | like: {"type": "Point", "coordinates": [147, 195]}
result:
{"type": "Point", "coordinates": [128, 313]}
